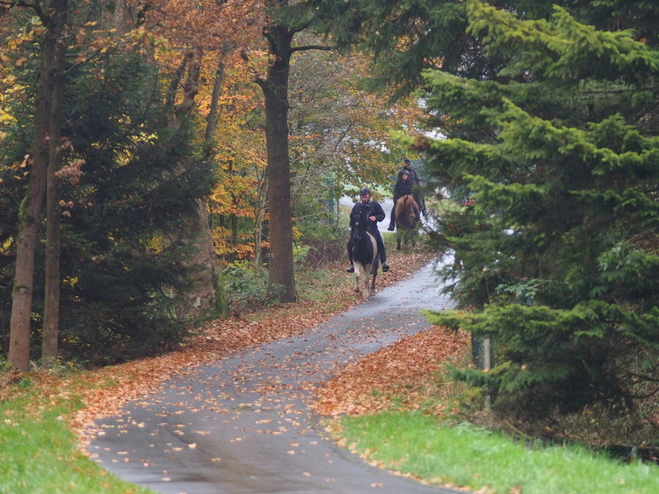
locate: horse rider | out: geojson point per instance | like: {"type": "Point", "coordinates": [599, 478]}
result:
{"type": "Point", "coordinates": [416, 185]}
{"type": "Point", "coordinates": [371, 210]}
{"type": "Point", "coordinates": [402, 188]}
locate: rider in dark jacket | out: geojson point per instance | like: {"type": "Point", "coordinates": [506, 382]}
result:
{"type": "Point", "coordinates": [402, 188]}
{"type": "Point", "coordinates": [371, 210]}
{"type": "Point", "coordinates": [415, 183]}
{"type": "Point", "coordinates": [414, 175]}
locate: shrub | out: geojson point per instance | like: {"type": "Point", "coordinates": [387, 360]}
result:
{"type": "Point", "coordinates": [247, 287]}
{"type": "Point", "coordinates": [327, 244]}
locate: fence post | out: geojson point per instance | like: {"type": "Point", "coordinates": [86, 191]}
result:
{"type": "Point", "coordinates": [482, 354]}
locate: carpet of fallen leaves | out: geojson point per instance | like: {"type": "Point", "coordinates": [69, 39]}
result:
{"type": "Point", "coordinates": [404, 375]}
{"type": "Point", "coordinates": [403, 370]}
{"type": "Point", "coordinates": [114, 386]}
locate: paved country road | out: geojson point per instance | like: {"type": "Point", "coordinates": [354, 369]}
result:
{"type": "Point", "coordinates": [244, 424]}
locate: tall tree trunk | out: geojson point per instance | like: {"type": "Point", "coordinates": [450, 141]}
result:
{"type": "Point", "coordinates": [52, 47]}
{"type": "Point", "coordinates": [49, 342]}
{"type": "Point", "coordinates": [124, 18]}
{"type": "Point", "coordinates": [213, 111]}
{"type": "Point", "coordinates": [206, 293]}
{"type": "Point", "coordinates": [278, 172]}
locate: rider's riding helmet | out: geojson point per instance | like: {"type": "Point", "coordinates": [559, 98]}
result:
{"type": "Point", "coordinates": [364, 191]}
{"type": "Point", "coordinates": [407, 161]}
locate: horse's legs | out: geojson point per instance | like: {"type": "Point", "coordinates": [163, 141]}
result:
{"type": "Point", "coordinates": [367, 271]}
{"type": "Point", "coordinates": [357, 273]}
{"type": "Point", "coordinates": [374, 272]}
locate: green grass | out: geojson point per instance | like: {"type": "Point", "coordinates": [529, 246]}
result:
{"type": "Point", "coordinates": [469, 457]}
{"type": "Point", "coordinates": [38, 451]}
{"type": "Point", "coordinates": [319, 285]}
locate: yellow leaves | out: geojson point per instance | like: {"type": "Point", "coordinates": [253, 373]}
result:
{"type": "Point", "coordinates": [4, 119]}
{"type": "Point", "coordinates": [71, 281]}
{"type": "Point", "coordinates": [21, 167]}
{"type": "Point", "coordinates": [206, 24]}
{"type": "Point", "coordinates": [21, 164]}
{"type": "Point", "coordinates": [224, 245]}
{"type": "Point", "coordinates": [6, 246]}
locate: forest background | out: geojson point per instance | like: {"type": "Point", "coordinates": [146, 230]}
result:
{"type": "Point", "coordinates": [147, 144]}
{"type": "Point", "coordinates": [161, 165]}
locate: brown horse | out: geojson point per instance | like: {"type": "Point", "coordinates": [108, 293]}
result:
{"type": "Point", "coordinates": [407, 214]}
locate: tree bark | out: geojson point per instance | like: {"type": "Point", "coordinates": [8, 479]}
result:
{"type": "Point", "coordinates": [124, 18]}
{"type": "Point", "coordinates": [213, 112]}
{"type": "Point", "coordinates": [258, 226]}
{"type": "Point", "coordinates": [51, 55]}
{"type": "Point", "coordinates": [278, 172]}
{"type": "Point", "coordinates": [206, 293]}
{"type": "Point", "coordinates": [49, 342]}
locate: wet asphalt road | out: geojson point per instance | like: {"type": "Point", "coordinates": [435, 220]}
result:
{"type": "Point", "coordinates": [243, 424]}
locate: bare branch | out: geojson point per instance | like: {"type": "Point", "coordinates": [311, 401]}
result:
{"type": "Point", "coordinates": [313, 47]}
{"type": "Point", "coordinates": [86, 60]}
{"type": "Point", "coordinates": [257, 78]}
{"type": "Point", "coordinates": [7, 5]}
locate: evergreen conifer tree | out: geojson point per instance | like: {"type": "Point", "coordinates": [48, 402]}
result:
{"type": "Point", "coordinates": [550, 119]}
{"type": "Point", "coordinates": [131, 181]}
{"type": "Point", "coordinates": [556, 255]}
{"type": "Point", "coordinates": [125, 234]}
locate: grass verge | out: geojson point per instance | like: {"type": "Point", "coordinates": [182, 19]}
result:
{"type": "Point", "coordinates": [484, 461]}
{"type": "Point", "coordinates": [38, 453]}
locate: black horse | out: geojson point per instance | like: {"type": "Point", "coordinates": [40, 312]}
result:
{"type": "Point", "coordinates": [407, 214]}
{"type": "Point", "coordinates": [364, 250]}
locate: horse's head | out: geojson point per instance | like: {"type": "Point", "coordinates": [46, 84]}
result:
{"type": "Point", "coordinates": [357, 227]}
{"type": "Point", "coordinates": [407, 212]}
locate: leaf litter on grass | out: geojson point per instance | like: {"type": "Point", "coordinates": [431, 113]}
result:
{"type": "Point", "coordinates": [404, 374]}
